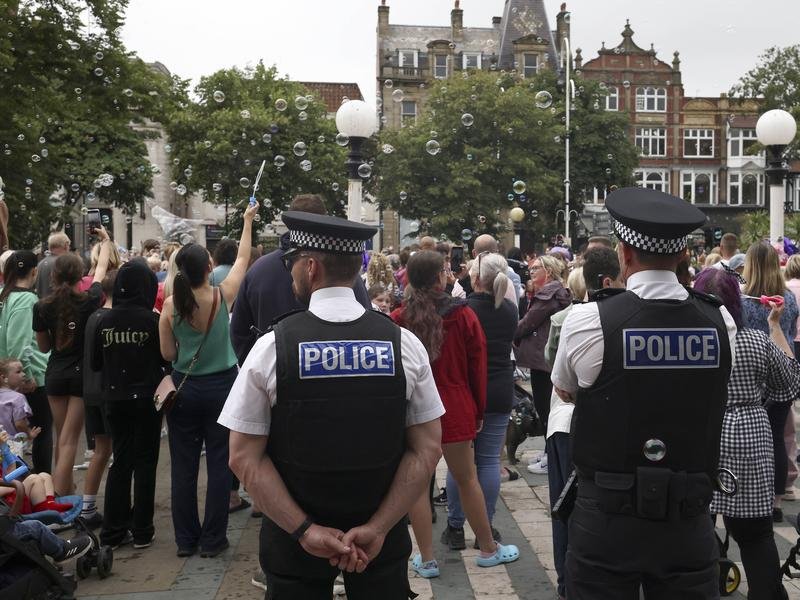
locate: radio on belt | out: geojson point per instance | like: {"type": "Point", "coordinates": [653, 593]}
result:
{"type": "Point", "coordinates": [670, 348]}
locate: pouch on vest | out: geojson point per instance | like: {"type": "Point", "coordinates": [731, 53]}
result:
{"type": "Point", "coordinates": [652, 492]}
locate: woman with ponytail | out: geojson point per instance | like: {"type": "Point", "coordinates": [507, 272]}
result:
{"type": "Point", "coordinates": [194, 335]}
{"type": "Point", "coordinates": [59, 321]}
{"type": "Point", "coordinates": [498, 318]}
{"type": "Point", "coordinates": [456, 345]}
{"type": "Point", "coordinates": [17, 340]}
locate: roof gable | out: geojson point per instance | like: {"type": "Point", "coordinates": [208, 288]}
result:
{"type": "Point", "coordinates": [522, 18]}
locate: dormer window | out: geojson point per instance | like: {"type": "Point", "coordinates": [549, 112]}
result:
{"type": "Point", "coordinates": [440, 66]}
{"type": "Point", "coordinates": [471, 60]}
{"type": "Point", "coordinates": [408, 59]}
{"type": "Point", "coordinates": [530, 65]}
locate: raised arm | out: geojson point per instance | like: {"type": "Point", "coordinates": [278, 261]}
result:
{"type": "Point", "coordinates": [230, 286]}
{"type": "Point", "coordinates": [105, 254]}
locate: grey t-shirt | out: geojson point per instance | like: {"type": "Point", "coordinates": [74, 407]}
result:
{"type": "Point", "coordinates": [43, 281]}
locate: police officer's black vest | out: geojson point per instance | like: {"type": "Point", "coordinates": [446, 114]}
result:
{"type": "Point", "coordinates": [338, 427]}
{"type": "Point", "coordinates": [664, 377]}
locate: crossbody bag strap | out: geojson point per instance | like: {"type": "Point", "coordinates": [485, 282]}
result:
{"type": "Point", "coordinates": [203, 341]}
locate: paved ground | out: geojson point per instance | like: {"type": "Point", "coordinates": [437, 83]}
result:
{"type": "Point", "coordinates": [156, 573]}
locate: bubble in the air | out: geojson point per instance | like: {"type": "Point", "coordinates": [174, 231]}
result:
{"type": "Point", "coordinates": [481, 219]}
{"type": "Point", "coordinates": [301, 103]}
{"type": "Point", "coordinates": [75, 187]}
{"type": "Point", "coordinates": [387, 148]}
{"type": "Point", "coordinates": [534, 213]}
{"type": "Point", "coordinates": [342, 139]}
{"type": "Point", "coordinates": [557, 139]}
{"type": "Point", "coordinates": [257, 218]}
{"type": "Point", "coordinates": [173, 185]}
{"type": "Point", "coordinates": [29, 182]}
{"type": "Point", "coordinates": [128, 220]}
{"type": "Point", "coordinates": [466, 234]}
{"type": "Point", "coordinates": [42, 140]}
{"type": "Point", "coordinates": [543, 99]}
{"type": "Point", "coordinates": [106, 179]}
{"type": "Point", "coordinates": [300, 148]}
{"type": "Point", "coordinates": [91, 197]}
{"type": "Point", "coordinates": [21, 137]}
{"type": "Point", "coordinates": [335, 186]}
{"type": "Point", "coordinates": [84, 210]}
{"type": "Point", "coordinates": [219, 96]}
{"type": "Point", "coordinates": [608, 171]}
{"type": "Point", "coordinates": [403, 195]}
{"type": "Point", "coordinates": [279, 160]}
{"type": "Point", "coordinates": [181, 190]}
{"type": "Point", "coordinates": [305, 165]}
{"type": "Point", "coordinates": [467, 120]}
{"type": "Point", "coordinates": [35, 158]}
{"type": "Point", "coordinates": [626, 84]}
{"type": "Point", "coordinates": [281, 104]}
{"type": "Point", "coordinates": [71, 325]}
{"type": "Point", "coordinates": [167, 148]}
{"type": "Point", "coordinates": [128, 92]}
{"type": "Point", "coordinates": [217, 187]}
{"type": "Point", "coordinates": [388, 83]}
{"type": "Point", "coordinates": [432, 147]}
{"type": "Point", "coordinates": [244, 182]}
{"type": "Point", "coordinates": [245, 114]}
{"type": "Point", "coordinates": [398, 95]}
{"type": "Point", "coordinates": [610, 156]}
{"type": "Point", "coordinates": [364, 170]}
{"type": "Point", "coordinates": [519, 187]}
{"type": "Point", "coordinates": [266, 138]}
{"type": "Point", "coordinates": [302, 115]}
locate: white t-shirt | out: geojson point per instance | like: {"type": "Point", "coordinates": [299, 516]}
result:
{"type": "Point", "coordinates": [248, 408]}
{"type": "Point", "coordinates": [580, 353]}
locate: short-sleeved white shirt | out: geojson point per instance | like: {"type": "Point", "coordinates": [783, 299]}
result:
{"type": "Point", "coordinates": [248, 408]}
{"type": "Point", "coordinates": [579, 359]}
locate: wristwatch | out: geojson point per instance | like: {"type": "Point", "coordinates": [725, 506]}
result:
{"type": "Point", "coordinates": [298, 533]}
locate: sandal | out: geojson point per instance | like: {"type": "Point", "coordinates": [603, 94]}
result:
{"type": "Point", "coordinates": [504, 554]}
{"type": "Point", "coordinates": [427, 570]}
{"type": "Point", "coordinates": [509, 475]}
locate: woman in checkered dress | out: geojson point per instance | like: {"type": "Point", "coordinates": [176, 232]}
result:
{"type": "Point", "coordinates": [764, 371]}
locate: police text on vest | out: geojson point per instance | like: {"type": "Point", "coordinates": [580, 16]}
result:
{"type": "Point", "coordinates": [671, 348]}
{"type": "Point", "coordinates": [346, 358]}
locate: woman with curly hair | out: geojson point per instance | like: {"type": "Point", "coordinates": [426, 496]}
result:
{"type": "Point", "coordinates": [456, 345]}
{"type": "Point", "coordinates": [59, 321]}
{"type": "Point", "coordinates": [379, 271]}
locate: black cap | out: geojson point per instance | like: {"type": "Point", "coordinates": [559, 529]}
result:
{"type": "Point", "coordinates": [653, 221]}
{"type": "Point", "coordinates": [324, 233]}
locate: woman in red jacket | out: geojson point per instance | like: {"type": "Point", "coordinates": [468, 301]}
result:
{"type": "Point", "coordinates": [456, 345]}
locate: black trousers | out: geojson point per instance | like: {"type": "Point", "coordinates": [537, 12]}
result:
{"type": "Point", "coordinates": [759, 556]}
{"type": "Point", "coordinates": [43, 444]}
{"type": "Point", "coordinates": [293, 574]}
{"type": "Point", "coordinates": [777, 413]}
{"type": "Point", "coordinates": [610, 556]}
{"type": "Point", "coordinates": [541, 388]}
{"type": "Point", "coordinates": [135, 429]}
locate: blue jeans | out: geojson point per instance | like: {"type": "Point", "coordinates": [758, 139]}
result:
{"type": "Point", "coordinates": [559, 468]}
{"type": "Point", "coordinates": [49, 543]}
{"type": "Point", "coordinates": [488, 445]}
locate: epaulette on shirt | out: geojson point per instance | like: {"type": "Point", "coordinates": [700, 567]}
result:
{"type": "Point", "coordinates": [259, 333]}
{"type": "Point", "coordinates": [711, 299]}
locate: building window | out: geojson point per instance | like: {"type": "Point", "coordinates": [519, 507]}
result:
{"type": "Point", "coordinates": [699, 187]}
{"type": "Point", "coordinates": [651, 141]}
{"type": "Point", "coordinates": [530, 65]}
{"type": "Point", "coordinates": [471, 60]}
{"type": "Point", "coordinates": [408, 113]}
{"type": "Point", "coordinates": [746, 188]}
{"type": "Point", "coordinates": [612, 100]}
{"type": "Point", "coordinates": [440, 66]}
{"type": "Point", "coordinates": [407, 60]}
{"type": "Point", "coordinates": [740, 141]}
{"type": "Point", "coordinates": [650, 99]}
{"type": "Point", "coordinates": [698, 142]}
{"type": "Point", "coordinates": [653, 179]}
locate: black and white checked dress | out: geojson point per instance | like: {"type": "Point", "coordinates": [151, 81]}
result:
{"type": "Point", "coordinates": [762, 373]}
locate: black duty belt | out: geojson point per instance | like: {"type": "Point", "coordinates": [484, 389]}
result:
{"type": "Point", "coordinates": [650, 493]}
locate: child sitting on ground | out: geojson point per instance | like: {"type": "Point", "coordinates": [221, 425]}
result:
{"type": "Point", "coordinates": [14, 408]}
{"type": "Point", "coordinates": [39, 494]}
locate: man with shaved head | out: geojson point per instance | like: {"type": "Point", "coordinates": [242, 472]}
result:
{"type": "Point", "coordinates": [487, 243]}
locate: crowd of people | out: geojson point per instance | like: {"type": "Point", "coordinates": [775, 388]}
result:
{"type": "Point", "coordinates": [86, 341]}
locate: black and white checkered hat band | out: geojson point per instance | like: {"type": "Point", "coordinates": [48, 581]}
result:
{"type": "Point", "coordinates": [325, 243]}
{"type": "Point", "coordinates": [649, 243]}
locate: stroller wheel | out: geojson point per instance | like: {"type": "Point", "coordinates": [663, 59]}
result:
{"type": "Point", "coordinates": [729, 577]}
{"type": "Point", "coordinates": [83, 567]}
{"type": "Point", "coordinates": [105, 560]}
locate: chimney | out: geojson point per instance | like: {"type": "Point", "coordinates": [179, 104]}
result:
{"type": "Point", "coordinates": [562, 26]}
{"type": "Point", "coordinates": [457, 23]}
{"type": "Point", "coordinates": [383, 19]}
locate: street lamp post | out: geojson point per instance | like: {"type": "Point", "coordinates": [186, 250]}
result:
{"type": "Point", "coordinates": [356, 120]}
{"type": "Point", "coordinates": [775, 130]}
{"type": "Point", "coordinates": [517, 216]}
{"type": "Point", "coordinates": [569, 93]}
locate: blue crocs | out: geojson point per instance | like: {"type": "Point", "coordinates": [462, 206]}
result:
{"type": "Point", "coordinates": [428, 569]}
{"type": "Point", "coordinates": [504, 554]}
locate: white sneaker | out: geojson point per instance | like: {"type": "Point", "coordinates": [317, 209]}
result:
{"type": "Point", "coordinates": [539, 468]}
{"type": "Point", "coordinates": [88, 454]}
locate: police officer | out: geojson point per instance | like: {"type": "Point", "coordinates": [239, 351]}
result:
{"type": "Point", "coordinates": [648, 371]}
{"type": "Point", "coordinates": [335, 430]}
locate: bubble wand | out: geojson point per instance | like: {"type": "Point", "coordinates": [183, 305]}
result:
{"type": "Point", "coordinates": [255, 185]}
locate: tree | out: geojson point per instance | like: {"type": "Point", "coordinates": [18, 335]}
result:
{"type": "Point", "coordinates": [489, 141]}
{"type": "Point", "coordinates": [754, 227]}
{"type": "Point", "coordinates": [242, 117]}
{"type": "Point", "coordinates": [68, 99]}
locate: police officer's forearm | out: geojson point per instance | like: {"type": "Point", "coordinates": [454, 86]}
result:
{"type": "Point", "coordinates": [262, 481]}
{"type": "Point", "coordinates": [423, 451]}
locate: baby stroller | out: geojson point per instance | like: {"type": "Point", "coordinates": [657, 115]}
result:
{"type": "Point", "coordinates": [729, 574]}
{"type": "Point", "coordinates": [523, 422]}
{"type": "Point", "coordinates": [790, 568]}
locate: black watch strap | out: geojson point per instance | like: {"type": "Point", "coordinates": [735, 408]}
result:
{"type": "Point", "coordinates": [298, 533]}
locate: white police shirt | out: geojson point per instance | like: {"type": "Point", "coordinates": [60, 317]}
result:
{"type": "Point", "coordinates": [579, 359]}
{"type": "Point", "coordinates": [249, 405]}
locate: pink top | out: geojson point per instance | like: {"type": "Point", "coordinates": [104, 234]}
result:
{"type": "Point", "coordinates": [794, 287]}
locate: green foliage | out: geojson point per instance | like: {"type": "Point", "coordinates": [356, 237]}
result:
{"type": "Point", "coordinates": [470, 182]}
{"type": "Point", "coordinates": [754, 227]}
{"type": "Point", "coordinates": [217, 143]}
{"type": "Point", "coordinates": [792, 226]}
{"type": "Point", "coordinates": [68, 99]}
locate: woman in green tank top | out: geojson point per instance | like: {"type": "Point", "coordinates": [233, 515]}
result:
{"type": "Point", "coordinates": [196, 318]}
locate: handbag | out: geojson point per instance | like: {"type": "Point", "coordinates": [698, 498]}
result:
{"type": "Point", "coordinates": [166, 393]}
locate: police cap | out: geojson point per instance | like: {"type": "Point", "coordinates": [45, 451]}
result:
{"type": "Point", "coordinates": [653, 221]}
{"type": "Point", "coordinates": [324, 233]}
